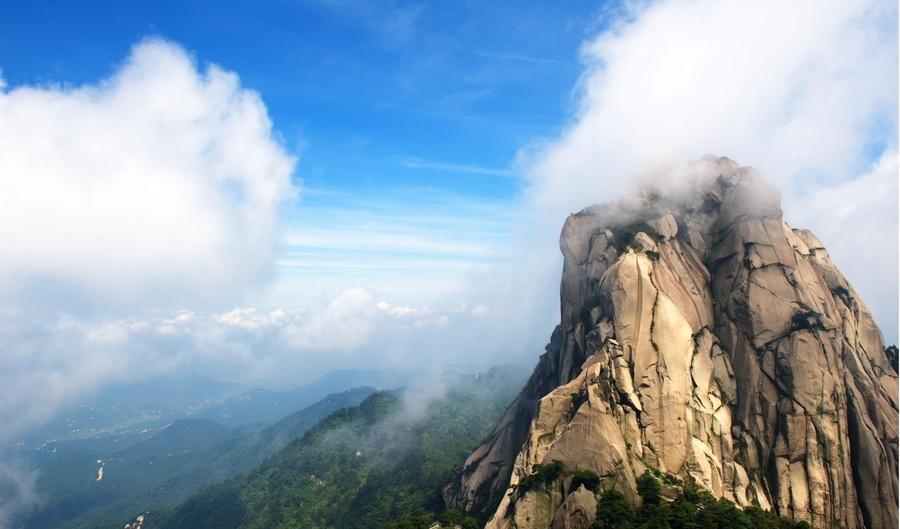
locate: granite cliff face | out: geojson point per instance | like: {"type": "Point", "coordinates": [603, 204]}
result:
{"type": "Point", "coordinates": [703, 338]}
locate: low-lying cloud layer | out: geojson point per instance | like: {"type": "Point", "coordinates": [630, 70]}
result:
{"type": "Point", "coordinates": [51, 365]}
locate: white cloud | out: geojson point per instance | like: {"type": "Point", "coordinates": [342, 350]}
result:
{"type": "Point", "coordinates": [784, 86]}
{"type": "Point", "coordinates": [251, 318]}
{"type": "Point", "coordinates": [401, 311]}
{"type": "Point", "coordinates": [159, 185]}
{"type": "Point", "coordinates": [801, 90]}
{"type": "Point", "coordinates": [345, 324]}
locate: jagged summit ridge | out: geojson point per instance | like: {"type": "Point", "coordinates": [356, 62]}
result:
{"type": "Point", "coordinates": [701, 337]}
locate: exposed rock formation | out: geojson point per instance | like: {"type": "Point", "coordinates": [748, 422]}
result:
{"type": "Point", "coordinates": [704, 338]}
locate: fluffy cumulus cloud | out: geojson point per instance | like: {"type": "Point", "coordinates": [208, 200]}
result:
{"type": "Point", "coordinates": [805, 91]}
{"type": "Point", "coordinates": [159, 185]}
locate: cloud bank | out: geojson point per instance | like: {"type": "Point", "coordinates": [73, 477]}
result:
{"type": "Point", "coordinates": [50, 365]}
{"type": "Point", "coordinates": [158, 186]}
{"type": "Point", "coordinates": [804, 91]}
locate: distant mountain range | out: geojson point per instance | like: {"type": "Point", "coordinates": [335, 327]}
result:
{"type": "Point", "coordinates": [157, 441]}
{"type": "Point", "coordinates": [263, 405]}
{"type": "Point", "coordinates": [126, 413]}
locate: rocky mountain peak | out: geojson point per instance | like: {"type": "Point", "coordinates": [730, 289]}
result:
{"type": "Point", "coordinates": [703, 339]}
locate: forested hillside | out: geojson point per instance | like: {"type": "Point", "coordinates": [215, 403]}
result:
{"type": "Point", "coordinates": [362, 467]}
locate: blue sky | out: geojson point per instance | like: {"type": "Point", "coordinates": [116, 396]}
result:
{"type": "Point", "coordinates": [391, 107]}
{"type": "Point", "coordinates": [361, 89]}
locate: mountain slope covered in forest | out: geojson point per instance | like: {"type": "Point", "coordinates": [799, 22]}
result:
{"type": "Point", "coordinates": [362, 467]}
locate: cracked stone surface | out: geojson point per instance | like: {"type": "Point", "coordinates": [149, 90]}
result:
{"type": "Point", "coordinates": [701, 336]}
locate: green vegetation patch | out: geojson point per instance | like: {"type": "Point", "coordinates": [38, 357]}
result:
{"type": "Point", "coordinates": [542, 475]}
{"type": "Point", "coordinates": [546, 474]}
{"type": "Point", "coordinates": [691, 509]}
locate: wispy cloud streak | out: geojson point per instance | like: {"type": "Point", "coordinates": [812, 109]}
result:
{"type": "Point", "coordinates": [517, 57]}
{"type": "Point", "coordinates": [419, 163]}
{"type": "Point", "coordinates": [414, 244]}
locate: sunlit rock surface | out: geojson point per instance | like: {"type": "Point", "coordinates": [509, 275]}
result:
{"type": "Point", "coordinates": [701, 336]}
